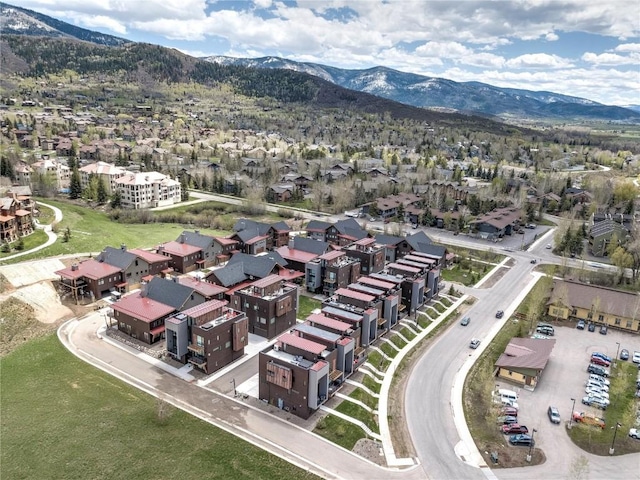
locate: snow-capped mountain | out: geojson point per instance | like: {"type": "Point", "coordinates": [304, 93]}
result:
{"type": "Point", "coordinates": [20, 21]}
{"type": "Point", "coordinates": [432, 92]}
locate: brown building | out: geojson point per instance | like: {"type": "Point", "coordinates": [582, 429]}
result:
{"type": "Point", "coordinates": [141, 317]}
{"type": "Point", "coordinates": [183, 258]}
{"type": "Point", "coordinates": [370, 254]}
{"type": "Point", "coordinates": [209, 336]}
{"type": "Point", "coordinates": [524, 360]}
{"type": "Point", "coordinates": [270, 304]}
{"type": "Point", "coordinates": [15, 221]}
{"type": "Point", "coordinates": [158, 264]}
{"type": "Point", "coordinates": [294, 376]}
{"type": "Point", "coordinates": [208, 290]}
{"type": "Point", "coordinates": [331, 271]}
{"type": "Point", "coordinates": [90, 278]}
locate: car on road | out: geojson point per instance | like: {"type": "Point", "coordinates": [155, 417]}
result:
{"type": "Point", "coordinates": [598, 370]}
{"type": "Point", "coordinates": [603, 330]}
{"type": "Point", "coordinates": [465, 321]}
{"type": "Point", "coordinates": [636, 357]}
{"type": "Point", "coordinates": [602, 356]}
{"type": "Point", "coordinates": [554, 414]}
{"type": "Point", "coordinates": [534, 261]}
{"type": "Point", "coordinates": [580, 325]}
{"type": "Point", "coordinates": [624, 354]}
{"type": "Point", "coordinates": [514, 428]}
{"type": "Point", "coordinates": [593, 378]}
{"type": "Point", "coordinates": [507, 420]}
{"type": "Point", "coordinates": [499, 314]}
{"type": "Point", "coordinates": [521, 439]}
{"type": "Point", "coordinates": [634, 433]}
{"type": "Point", "coordinates": [530, 226]}
{"type": "Point", "coordinates": [588, 419]}
{"type": "Point", "coordinates": [474, 343]}
{"type": "Point", "coordinates": [600, 361]}
{"type": "Point", "coordinates": [592, 327]}
{"type": "Point", "coordinates": [548, 247]}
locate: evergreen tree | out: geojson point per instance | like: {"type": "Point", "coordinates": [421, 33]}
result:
{"type": "Point", "coordinates": [116, 200]}
{"type": "Point", "coordinates": [101, 192]}
{"type": "Point", "coordinates": [75, 187]}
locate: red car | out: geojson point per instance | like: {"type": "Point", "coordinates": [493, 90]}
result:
{"type": "Point", "coordinates": [514, 428]}
{"type": "Point", "coordinates": [509, 411]}
{"type": "Point", "coordinates": [600, 361]}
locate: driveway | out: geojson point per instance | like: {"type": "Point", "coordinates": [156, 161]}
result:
{"type": "Point", "coordinates": [562, 380]}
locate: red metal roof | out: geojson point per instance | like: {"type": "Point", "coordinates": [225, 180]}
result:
{"type": "Point", "coordinates": [302, 343]}
{"type": "Point", "coordinates": [89, 268]}
{"type": "Point", "coordinates": [345, 292]}
{"type": "Point", "coordinates": [332, 255]}
{"type": "Point", "coordinates": [150, 257]}
{"type": "Point", "coordinates": [416, 258]}
{"type": "Point", "coordinates": [405, 268]}
{"type": "Point", "coordinates": [290, 274]}
{"type": "Point", "coordinates": [328, 322]}
{"type": "Point", "coordinates": [180, 249]}
{"type": "Point", "coordinates": [205, 307]}
{"type": "Point", "coordinates": [157, 330]}
{"type": "Point", "coordinates": [225, 241]}
{"type": "Point", "coordinates": [296, 255]}
{"type": "Point", "coordinates": [267, 281]}
{"type": "Point", "coordinates": [365, 241]}
{"type": "Point", "coordinates": [207, 289]}
{"type": "Point", "coordinates": [374, 282]}
{"type": "Point", "coordinates": [142, 308]}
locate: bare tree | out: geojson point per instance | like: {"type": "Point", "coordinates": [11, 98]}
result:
{"type": "Point", "coordinates": [164, 410]}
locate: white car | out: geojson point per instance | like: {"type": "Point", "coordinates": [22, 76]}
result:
{"type": "Point", "coordinates": [598, 379]}
{"type": "Point", "coordinates": [474, 343]}
{"type": "Point", "coordinates": [596, 392]}
{"type": "Point", "coordinates": [597, 386]}
{"type": "Point", "coordinates": [636, 357]}
{"type": "Point", "coordinates": [634, 433]}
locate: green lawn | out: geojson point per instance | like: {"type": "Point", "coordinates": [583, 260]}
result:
{"type": "Point", "coordinates": [388, 349]}
{"type": "Point", "coordinates": [371, 384]}
{"type": "Point", "coordinates": [306, 306]}
{"type": "Point", "coordinates": [378, 361]}
{"type": "Point", "coordinates": [91, 231]}
{"type": "Point", "coordinates": [398, 342]}
{"type": "Point", "coordinates": [62, 418]}
{"type": "Point", "coordinates": [465, 277]}
{"type": "Point", "coordinates": [37, 238]}
{"type": "Point", "coordinates": [408, 334]}
{"type": "Point", "coordinates": [46, 215]}
{"type": "Point", "coordinates": [339, 431]}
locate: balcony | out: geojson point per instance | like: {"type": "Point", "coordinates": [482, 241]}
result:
{"type": "Point", "coordinates": [198, 350]}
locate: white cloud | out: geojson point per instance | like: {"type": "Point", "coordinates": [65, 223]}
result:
{"type": "Point", "coordinates": [538, 61]}
{"type": "Point", "coordinates": [610, 59]}
{"type": "Point", "coordinates": [551, 37]}
{"type": "Point", "coordinates": [628, 47]}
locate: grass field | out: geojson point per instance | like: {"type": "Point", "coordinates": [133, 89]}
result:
{"type": "Point", "coordinates": [306, 306]}
{"type": "Point", "coordinates": [62, 418]}
{"type": "Point", "coordinates": [91, 231]}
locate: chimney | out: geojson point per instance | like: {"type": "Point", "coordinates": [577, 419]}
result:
{"type": "Point", "coordinates": [143, 289]}
{"type": "Point", "coordinates": [291, 242]}
{"type": "Point", "coordinates": [160, 248]}
{"type": "Point", "coordinates": [123, 247]}
{"type": "Point", "coordinates": [182, 237]}
{"type": "Point", "coordinates": [74, 267]}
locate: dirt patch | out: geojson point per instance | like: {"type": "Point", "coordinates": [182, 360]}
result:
{"type": "Point", "coordinates": [495, 277]}
{"type": "Point", "coordinates": [370, 450]}
{"type": "Point", "coordinates": [18, 325]}
{"type": "Point", "coordinates": [511, 457]}
{"type": "Point", "coordinates": [44, 300]}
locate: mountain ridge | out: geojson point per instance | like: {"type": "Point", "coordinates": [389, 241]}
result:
{"type": "Point", "coordinates": [434, 92]}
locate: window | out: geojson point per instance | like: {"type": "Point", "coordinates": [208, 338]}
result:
{"type": "Point", "coordinates": [199, 341]}
{"type": "Point", "coordinates": [618, 321]}
{"type": "Point", "coordinates": [554, 311]}
{"type": "Point", "coordinates": [272, 321]}
{"type": "Point", "coordinates": [601, 318]}
{"type": "Point", "coordinates": [227, 345]}
{"type": "Point", "coordinates": [628, 323]}
{"type": "Point", "coordinates": [590, 315]}
{"type": "Point", "coordinates": [574, 312]}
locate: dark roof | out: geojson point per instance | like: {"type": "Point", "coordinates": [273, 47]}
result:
{"type": "Point", "coordinates": [230, 275]}
{"type": "Point", "coordinates": [241, 266]}
{"type": "Point", "coordinates": [432, 249]}
{"type": "Point", "coordinates": [168, 292]}
{"type": "Point", "coordinates": [196, 239]}
{"type": "Point", "coordinates": [530, 353]}
{"type": "Point", "coordinates": [388, 239]}
{"type": "Point", "coordinates": [316, 225]}
{"type": "Point", "coordinates": [351, 228]}
{"type": "Point", "coordinates": [419, 241]}
{"type": "Point", "coordinates": [281, 226]}
{"type": "Point", "coordinates": [262, 228]}
{"type": "Point", "coordinates": [310, 245]}
{"type": "Point", "coordinates": [116, 257]}
{"type": "Point", "coordinates": [276, 257]}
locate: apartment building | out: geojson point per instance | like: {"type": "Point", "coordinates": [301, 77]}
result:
{"type": "Point", "coordinates": [148, 190]}
{"type": "Point", "coordinates": [108, 173]}
{"type": "Point", "coordinates": [331, 271]}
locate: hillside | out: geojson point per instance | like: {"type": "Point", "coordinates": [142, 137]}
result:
{"type": "Point", "coordinates": [430, 92]}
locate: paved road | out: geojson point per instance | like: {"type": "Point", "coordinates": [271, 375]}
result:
{"type": "Point", "coordinates": [271, 433]}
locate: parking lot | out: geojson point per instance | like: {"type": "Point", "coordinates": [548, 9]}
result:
{"type": "Point", "coordinates": [563, 379]}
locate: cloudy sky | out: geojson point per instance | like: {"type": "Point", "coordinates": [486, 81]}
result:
{"type": "Point", "coordinates": [585, 48]}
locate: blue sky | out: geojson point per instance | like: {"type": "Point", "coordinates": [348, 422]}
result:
{"type": "Point", "coordinates": [585, 48]}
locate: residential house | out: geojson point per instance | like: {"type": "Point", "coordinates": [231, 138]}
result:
{"type": "Point", "coordinates": [602, 233]}
{"type": "Point", "coordinates": [214, 250]}
{"type": "Point", "coordinates": [301, 251]}
{"type": "Point", "coordinates": [604, 306]}
{"type": "Point", "coordinates": [243, 269]}
{"type": "Point", "coordinates": [90, 277]}
{"type": "Point", "coordinates": [394, 247]}
{"type": "Point", "coordinates": [183, 258]}
{"type": "Point", "coordinates": [141, 317]}
{"type": "Point", "coordinates": [210, 291]}
{"type": "Point", "coordinates": [132, 267]}
{"type": "Point", "coordinates": [331, 271]}
{"type": "Point", "coordinates": [158, 264]}
{"type": "Point", "coordinates": [370, 254]}
{"type": "Point", "coordinates": [524, 360]}
{"type": "Point", "coordinates": [15, 221]}
{"type": "Point", "coordinates": [171, 292]}
{"type": "Point", "coordinates": [497, 223]}
{"type": "Point", "coordinates": [359, 309]}
{"type": "Point", "coordinates": [282, 192]}
{"type": "Point", "coordinates": [293, 375]}
{"type": "Point", "coordinates": [345, 232]}
{"type": "Point", "coordinates": [209, 336]}
{"type": "Point", "coordinates": [270, 304]}
{"type": "Point", "coordinates": [277, 234]}
{"type": "Point", "coordinates": [58, 172]}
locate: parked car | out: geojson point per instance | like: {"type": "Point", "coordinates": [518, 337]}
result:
{"type": "Point", "coordinates": [597, 385]}
{"type": "Point", "coordinates": [474, 343]}
{"type": "Point", "coordinates": [597, 402]}
{"type": "Point", "coordinates": [465, 321]}
{"type": "Point", "coordinates": [509, 411]}
{"type": "Point", "coordinates": [507, 419]}
{"type": "Point", "coordinates": [499, 314]}
{"type": "Point", "coordinates": [544, 330]}
{"type": "Point", "coordinates": [624, 354]}
{"type": "Point", "coordinates": [592, 327]}
{"type": "Point", "coordinates": [636, 357]}
{"type": "Point", "coordinates": [603, 330]}
{"type": "Point", "coordinates": [580, 325]}
{"type": "Point", "coordinates": [600, 361]}
{"type": "Point", "coordinates": [596, 392]}
{"type": "Point", "coordinates": [514, 428]}
{"type": "Point", "coordinates": [554, 414]}
{"type": "Point", "coordinates": [534, 261]}
{"type": "Point", "coordinates": [598, 379]}
{"type": "Point", "coordinates": [530, 226]}
{"type": "Point", "coordinates": [598, 370]}
{"type": "Point", "coordinates": [588, 419]}
{"type": "Point", "coordinates": [521, 439]}
{"type": "Point", "coordinates": [602, 356]}
{"type": "Point", "coordinates": [634, 433]}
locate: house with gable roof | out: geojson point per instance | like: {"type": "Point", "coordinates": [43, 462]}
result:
{"type": "Point", "coordinates": [141, 317]}
{"type": "Point", "coordinates": [183, 258]}
{"type": "Point", "coordinates": [132, 267]}
{"type": "Point", "coordinates": [90, 277]}
{"type": "Point", "coordinates": [524, 360]}
{"type": "Point", "coordinates": [214, 250]}
{"type": "Point", "coordinates": [171, 292]}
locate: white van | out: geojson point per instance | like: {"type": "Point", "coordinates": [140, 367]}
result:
{"type": "Point", "coordinates": [508, 394]}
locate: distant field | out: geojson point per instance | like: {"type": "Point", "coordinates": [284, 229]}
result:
{"type": "Point", "coordinates": [91, 231]}
{"type": "Point", "coordinates": [62, 418]}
